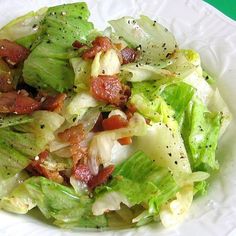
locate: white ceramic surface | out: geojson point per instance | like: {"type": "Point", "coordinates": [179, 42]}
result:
{"type": "Point", "coordinates": [195, 25]}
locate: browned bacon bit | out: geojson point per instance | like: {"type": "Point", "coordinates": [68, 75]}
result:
{"type": "Point", "coordinates": [99, 44]}
{"type": "Point", "coordinates": [75, 135]}
{"type": "Point", "coordinates": [77, 44]}
{"type": "Point", "coordinates": [125, 140]}
{"type": "Point", "coordinates": [148, 121]}
{"type": "Point", "coordinates": [130, 110]}
{"type": "Point", "coordinates": [108, 89]}
{"type": "Point", "coordinates": [124, 95]}
{"type": "Point", "coordinates": [53, 175]}
{"type": "Point", "coordinates": [18, 103]}
{"type": "Point", "coordinates": [101, 177]}
{"type": "Point", "coordinates": [117, 122]}
{"type": "Point", "coordinates": [36, 168]}
{"type": "Point", "coordinates": [6, 83]}
{"type": "Point", "coordinates": [41, 158]}
{"type": "Point", "coordinates": [118, 46]}
{"type": "Point", "coordinates": [83, 173]}
{"type": "Point", "coordinates": [128, 55]}
{"type": "Point", "coordinates": [53, 103]}
{"type": "Point", "coordinates": [114, 122]}
{"type": "Point", "coordinates": [5, 77]}
{"type": "Point", "coordinates": [12, 52]}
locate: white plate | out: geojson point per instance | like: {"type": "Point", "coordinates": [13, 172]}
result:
{"type": "Point", "coordinates": [195, 25]}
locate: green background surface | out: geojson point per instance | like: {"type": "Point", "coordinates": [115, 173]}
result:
{"type": "Point", "coordinates": [228, 7]}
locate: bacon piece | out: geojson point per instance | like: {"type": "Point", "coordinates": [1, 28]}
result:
{"type": "Point", "coordinates": [99, 44]}
{"type": "Point", "coordinates": [117, 122]}
{"type": "Point", "coordinates": [54, 103]}
{"type": "Point", "coordinates": [128, 55]}
{"type": "Point", "coordinates": [18, 103]}
{"type": "Point", "coordinates": [108, 89]}
{"type": "Point", "coordinates": [101, 177]}
{"type": "Point", "coordinates": [41, 158]}
{"type": "Point", "coordinates": [114, 122]}
{"type": "Point", "coordinates": [53, 175]}
{"type": "Point", "coordinates": [78, 44]}
{"type": "Point", "coordinates": [5, 77]}
{"type": "Point", "coordinates": [36, 168]}
{"type": "Point", "coordinates": [83, 173]}
{"type": "Point", "coordinates": [75, 135]}
{"type": "Point", "coordinates": [130, 110]}
{"type": "Point", "coordinates": [125, 140]}
{"type": "Point", "coordinates": [6, 83]}
{"type": "Point", "coordinates": [12, 52]}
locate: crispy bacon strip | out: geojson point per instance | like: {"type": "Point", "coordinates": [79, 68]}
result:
{"type": "Point", "coordinates": [99, 44]}
{"type": "Point", "coordinates": [114, 122]}
{"type": "Point", "coordinates": [101, 177]}
{"type": "Point", "coordinates": [82, 173]}
{"type": "Point", "coordinates": [130, 110]}
{"type": "Point", "coordinates": [5, 77]}
{"type": "Point", "coordinates": [117, 122]}
{"type": "Point", "coordinates": [6, 83]}
{"type": "Point", "coordinates": [37, 169]}
{"type": "Point", "coordinates": [109, 89]}
{"type": "Point", "coordinates": [12, 52]}
{"type": "Point", "coordinates": [78, 44]}
{"type": "Point", "coordinates": [54, 103]}
{"type": "Point", "coordinates": [128, 55]}
{"type": "Point", "coordinates": [75, 135]}
{"type": "Point", "coordinates": [18, 103]}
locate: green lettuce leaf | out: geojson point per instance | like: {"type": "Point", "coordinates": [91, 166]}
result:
{"type": "Point", "coordinates": [55, 201]}
{"type": "Point", "coordinates": [200, 131]}
{"type": "Point", "coordinates": [7, 185]}
{"type": "Point", "coordinates": [47, 67]}
{"type": "Point", "coordinates": [200, 127]}
{"type": "Point", "coordinates": [19, 144]}
{"type": "Point", "coordinates": [140, 181]}
{"type": "Point", "coordinates": [7, 121]}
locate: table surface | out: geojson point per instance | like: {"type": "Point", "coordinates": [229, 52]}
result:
{"type": "Point", "coordinates": [228, 7]}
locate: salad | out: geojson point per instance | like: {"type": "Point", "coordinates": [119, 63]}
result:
{"type": "Point", "coordinates": [103, 129]}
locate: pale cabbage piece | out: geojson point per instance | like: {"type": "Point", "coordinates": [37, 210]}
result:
{"type": "Point", "coordinates": [107, 63]}
{"type": "Point", "coordinates": [141, 72]}
{"type": "Point", "coordinates": [82, 70]}
{"type": "Point", "coordinates": [18, 201]}
{"type": "Point", "coordinates": [79, 105]}
{"type": "Point", "coordinates": [7, 185]}
{"type": "Point", "coordinates": [147, 35]}
{"type": "Point", "coordinates": [117, 112]}
{"type": "Point", "coordinates": [203, 90]}
{"type": "Point", "coordinates": [23, 25]}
